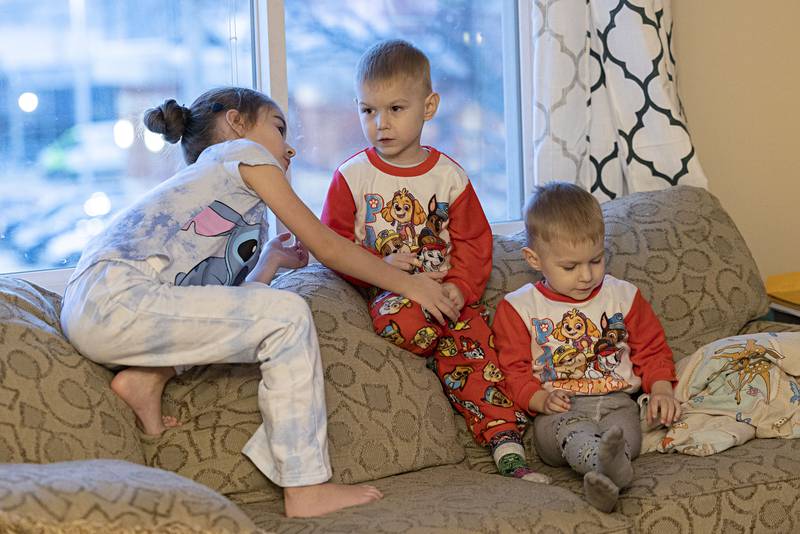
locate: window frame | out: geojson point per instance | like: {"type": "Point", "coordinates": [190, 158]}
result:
{"type": "Point", "coordinates": [269, 75]}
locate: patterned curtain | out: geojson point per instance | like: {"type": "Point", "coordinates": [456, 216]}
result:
{"type": "Point", "coordinates": [606, 111]}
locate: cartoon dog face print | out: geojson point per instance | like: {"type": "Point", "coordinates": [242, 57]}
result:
{"type": "Point", "coordinates": [471, 349]}
{"type": "Point", "coordinates": [424, 337]}
{"type": "Point", "coordinates": [432, 256]}
{"type": "Point", "coordinates": [492, 395]}
{"type": "Point", "coordinates": [390, 242]}
{"type": "Point", "coordinates": [576, 328]}
{"type": "Point", "coordinates": [569, 362]}
{"type": "Point", "coordinates": [393, 305]}
{"type": "Point", "coordinates": [457, 378]}
{"type": "Point", "coordinates": [491, 373]}
{"type": "Point", "coordinates": [391, 332]}
{"type": "Point", "coordinates": [403, 208]}
{"type": "Point", "coordinates": [447, 346]}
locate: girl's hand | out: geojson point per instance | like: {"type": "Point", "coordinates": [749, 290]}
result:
{"type": "Point", "coordinates": [425, 290]}
{"type": "Point", "coordinates": [281, 255]}
{"type": "Point", "coordinates": [663, 406]}
{"type": "Point", "coordinates": [405, 261]}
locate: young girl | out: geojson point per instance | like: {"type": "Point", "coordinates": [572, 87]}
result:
{"type": "Point", "coordinates": [180, 279]}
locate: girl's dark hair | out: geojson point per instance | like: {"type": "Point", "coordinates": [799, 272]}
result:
{"type": "Point", "coordinates": [195, 126]}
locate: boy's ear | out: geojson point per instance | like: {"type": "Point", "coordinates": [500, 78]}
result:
{"type": "Point", "coordinates": [431, 105]}
{"type": "Point", "coordinates": [532, 258]}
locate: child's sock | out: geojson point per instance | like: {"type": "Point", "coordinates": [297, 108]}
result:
{"type": "Point", "coordinates": [600, 491]}
{"type": "Point", "coordinates": [509, 456]}
{"type": "Point", "coordinates": [613, 458]}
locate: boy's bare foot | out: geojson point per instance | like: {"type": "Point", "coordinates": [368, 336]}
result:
{"type": "Point", "coordinates": [321, 499]}
{"type": "Point", "coordinates": [141, 389]}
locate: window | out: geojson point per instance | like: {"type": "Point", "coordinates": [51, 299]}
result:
{"type": "Point", "coordinates": [72, 148]}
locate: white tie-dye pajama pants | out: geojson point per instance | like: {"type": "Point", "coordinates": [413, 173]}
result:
{"type": "Point", "coordinates": [122, 314]}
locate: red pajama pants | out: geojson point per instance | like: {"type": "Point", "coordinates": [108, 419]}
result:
{"type": "Point", "coordinates": [464, 360]}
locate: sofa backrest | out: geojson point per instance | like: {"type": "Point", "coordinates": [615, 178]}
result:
{"type": "Point", "coordinates": [681, 249]}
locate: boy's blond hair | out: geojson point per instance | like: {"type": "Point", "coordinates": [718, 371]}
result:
{"type": "Point", "coordinates": [561, 211]}
{"type": "Point", "coordinates": [387, 60]}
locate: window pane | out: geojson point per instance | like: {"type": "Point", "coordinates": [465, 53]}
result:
{"type": "Point", "coordinates": [72, 148]}
{"type": "Point", "coordinates": [463, 40]}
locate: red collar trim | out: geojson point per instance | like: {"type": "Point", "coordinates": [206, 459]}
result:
{"type": "Point", "coordinates": [406, 172]}
{"type": "Point", "coordinates": [558, 297]}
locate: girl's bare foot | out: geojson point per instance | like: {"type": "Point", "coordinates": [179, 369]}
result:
{"type": "Point", "coordinates": [321, 499]}
{"type": "Point", "coordinates": [141, 389]}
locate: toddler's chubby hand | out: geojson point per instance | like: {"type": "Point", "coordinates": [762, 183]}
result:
{"type": "Point", "coordinates": [280, 255]}
{"type": "Point", "coordinates": [405, 261]}
{"type": "Point", "coordinates": [454, 293]}
{"type": "Point", "coordinates": [663, 406]}
{"type": "Point", "coordinates": [551, 402]}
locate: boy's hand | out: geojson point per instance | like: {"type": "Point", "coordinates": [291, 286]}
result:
{"type": "Point", "coordinates": [663, 405]}
{"type": "Point", "coordinates": [405, 261]}
{"type": "Point", "coordinates": [452, 291]}
{"type": "Point", "coordinates": [550, 402]}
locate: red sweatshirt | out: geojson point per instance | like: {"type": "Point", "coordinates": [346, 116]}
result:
{"type": "Point", "coordinates": [429, 209]}
{"type": "Point", "coordinates": [621, 346]}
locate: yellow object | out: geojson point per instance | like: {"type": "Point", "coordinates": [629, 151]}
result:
{"type": "Point", "coordinates": [785, 287]}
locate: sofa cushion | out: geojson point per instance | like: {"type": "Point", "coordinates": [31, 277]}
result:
{"type": "Point", "coordinates": [110, 496]}
{"type": "Point", "coordinates": [55, 405]}
{"type": "Point", "coordinates": [386, 411]}
{"type": "Point", "coordinates": [682, 251]}
{"type": "Point", "coordinates": [449, 499]}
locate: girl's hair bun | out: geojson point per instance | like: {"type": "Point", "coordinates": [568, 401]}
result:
{"type": "Point", "coordinates": [169, 119]}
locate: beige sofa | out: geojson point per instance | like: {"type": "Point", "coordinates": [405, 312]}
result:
{"type": "Point", "coordinates": [73, 460]}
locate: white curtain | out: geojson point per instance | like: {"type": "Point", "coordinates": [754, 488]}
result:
{"type": "Point", "coordinates": [606, 113]}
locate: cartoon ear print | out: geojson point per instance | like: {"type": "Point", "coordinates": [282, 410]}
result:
{"type": "Point", "coordinates": [543, 328]}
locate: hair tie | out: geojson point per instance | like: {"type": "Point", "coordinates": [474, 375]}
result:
{"type": "Point", "coordinates": [216, 106]}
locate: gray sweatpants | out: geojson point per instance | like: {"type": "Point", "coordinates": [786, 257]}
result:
{"type": "Point", "coordinates": [121, 313]}
{"type": "Point", "coordinates": [571, 438]}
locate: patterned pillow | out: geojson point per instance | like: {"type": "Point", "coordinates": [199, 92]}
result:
{"type": "Point", "coordinates": [100, 496]}
{"type": "Point", "coordinates": [55, 405]}
{"type": "Point", "coordinates": [386, 411]}
{"type": "Point", "coordinates": [684, 253]}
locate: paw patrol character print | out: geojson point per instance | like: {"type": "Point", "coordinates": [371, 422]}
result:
{"type": "Point", "coordinates": [569, 362]}
{"type": "Point", "coordinates": [469, 406]}
{"type": "Point", "coordinates": [447, 347]}
{"type": "Point", "coordinates": [457, 378]}
{"type": "Point", "coordinates": [577, 329]}
{"type": "Point", "coordinates": [391, 332]}
{"type": "Point", "coordinates": [435, 221]}
{"type": "Point", "coordinates": [432, 256]}
{"type": "Point", "coordinates": [491, 373]}
{"type": "Point", "coordinates": [389, 242]}
{"type": "Point", "coordinates": [393, 305]}
{"type": "Point", "coordinates": [424, 337]}
{"type": "Point", "coordinates": [404, 213]}
{"type": "Point", "coordinates": [494, 396]}
{"type": "Point", "coordinates": [471, 349]}
{"type": "Point", "coordinates": [545, 366]}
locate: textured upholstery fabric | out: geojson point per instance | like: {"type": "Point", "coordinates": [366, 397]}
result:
{"type": "Point", "coordinates": [54, 404]}
{"type": "Point", "coordinates": [110, 496]}
{"type": "Point", "coordinates": [450, 499]}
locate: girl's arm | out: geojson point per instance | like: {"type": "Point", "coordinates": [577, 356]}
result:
{"type": "Point", "coordinates": [338, 253]}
